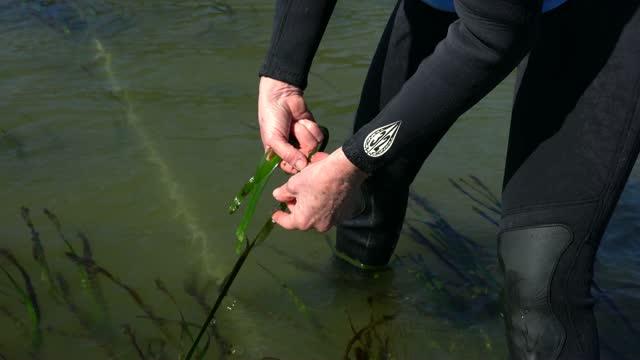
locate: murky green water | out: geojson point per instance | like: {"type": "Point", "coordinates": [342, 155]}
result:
{"type": "Point", "coordinates": [135, 123]}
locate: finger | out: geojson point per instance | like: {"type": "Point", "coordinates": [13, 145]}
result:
{"type": "Point", "coordinates": [286, 167]}
{"type": "Point", "coordinates": [319, 156]}
{"type": "Point", "coordinates": [283, 219]}
{"type": "Point", "coordinates": [282, 194]}
{"type": "Point", "coordinates": [313, 128]}
{"type": "Point", "coordinates": [289, 154]}
{"type": "Point", "coordinates": [308, 142]}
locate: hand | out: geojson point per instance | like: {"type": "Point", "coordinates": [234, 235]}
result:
{"type": "Point", "coordinates": [321, 195]}
{"type": "Point", "coordinates": [282, 113]}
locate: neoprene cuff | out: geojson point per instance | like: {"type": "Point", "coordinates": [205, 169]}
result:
{"type": "Point", "coordinates": [352, 150]}
{"type": "Point", "coordinates": [275, 71]}
{"type": "Point", "coordinates": [298, 26]}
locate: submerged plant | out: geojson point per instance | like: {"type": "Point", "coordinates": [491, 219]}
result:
{"type": "Point", "coordinates": [95, 268]}
{"type": "Point", "coordinates": [91, 318]}
{"type": "Point", "coordinates": [127, 330]}
{"type": "Point", "coordinates": [295, 299]}
{"type": "Point", "coordinates": [37, 252]}
{"type": "Point", "coordinates": [253, 188]}
{"type": "Point", "coordinates": [88, 276]}
{"type": "Point", "coordinates": [27, 296]}
{"type": "Point", "coordinates": [85, 321]}
{"type": "Point", "coordinates": [368, 343]}
{"type": "Point", "coordinates": [184, 326]}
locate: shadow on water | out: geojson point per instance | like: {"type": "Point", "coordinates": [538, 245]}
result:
{"type": "Point", "coordinates": [459, 275]}
{"type": "Point", "coordinates": [470, 284]}
{"type": "Point", "coordinates": [459, 279]}
{"type": "Point", "coordinates": [617, 275]}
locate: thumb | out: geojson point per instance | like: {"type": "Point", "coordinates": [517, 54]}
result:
{"type": "Point", "coordinates": [290, 154]}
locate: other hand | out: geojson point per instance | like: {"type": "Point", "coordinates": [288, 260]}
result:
{"type": "Point", "coordinates": [321, 195]}
{"type": "Point", "coordinates": [283, 116]}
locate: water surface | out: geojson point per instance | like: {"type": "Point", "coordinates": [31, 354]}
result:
{"type": "Point", "coordinates": [135, 123]}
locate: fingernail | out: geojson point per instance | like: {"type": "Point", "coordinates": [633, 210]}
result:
{"type": "Point", "coordinates": [299, 164]}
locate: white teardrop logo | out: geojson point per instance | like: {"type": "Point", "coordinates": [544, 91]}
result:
{"type": "Point", "coordinates": [380, 140]}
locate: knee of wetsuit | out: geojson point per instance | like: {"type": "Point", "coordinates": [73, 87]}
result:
{"type": "Point", "coordinates": [529, 258]}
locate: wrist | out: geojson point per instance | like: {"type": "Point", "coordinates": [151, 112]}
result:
{"type": "Point", "coordinates": [276, 89]}
{"type": "Point", "coordinates": [345, 166]}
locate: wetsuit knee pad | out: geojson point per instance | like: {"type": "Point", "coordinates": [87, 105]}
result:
{"type": "Point", "coordinates": [529, 258]}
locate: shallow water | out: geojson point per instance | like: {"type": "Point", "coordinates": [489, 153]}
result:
{"type": "Point", "coordinates": [135, 124]}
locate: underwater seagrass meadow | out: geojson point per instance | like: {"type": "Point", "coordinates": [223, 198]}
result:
{"type": "Point", "coordinates": [126, 128]}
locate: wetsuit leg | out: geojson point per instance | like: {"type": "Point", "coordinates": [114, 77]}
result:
{"type": "Point", "coordinates": [413, 31]}
{"type": "Point", "coordinates": [574, 137]}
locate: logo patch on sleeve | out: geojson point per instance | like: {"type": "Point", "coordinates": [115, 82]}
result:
{"type": "Point", "coordinates": [380, 140]}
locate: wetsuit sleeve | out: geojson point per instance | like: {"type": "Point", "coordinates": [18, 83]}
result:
{"type": "Point", "coordinates": [481, 48]}
{"type": "Point", "coordinates": [297, 30]}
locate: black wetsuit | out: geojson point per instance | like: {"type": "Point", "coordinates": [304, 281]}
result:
{"type": "Point", "coordinates": [574, 137]}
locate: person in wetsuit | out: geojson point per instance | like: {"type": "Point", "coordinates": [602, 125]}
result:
{"type": "Point", "coordinates": [574, 137]}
